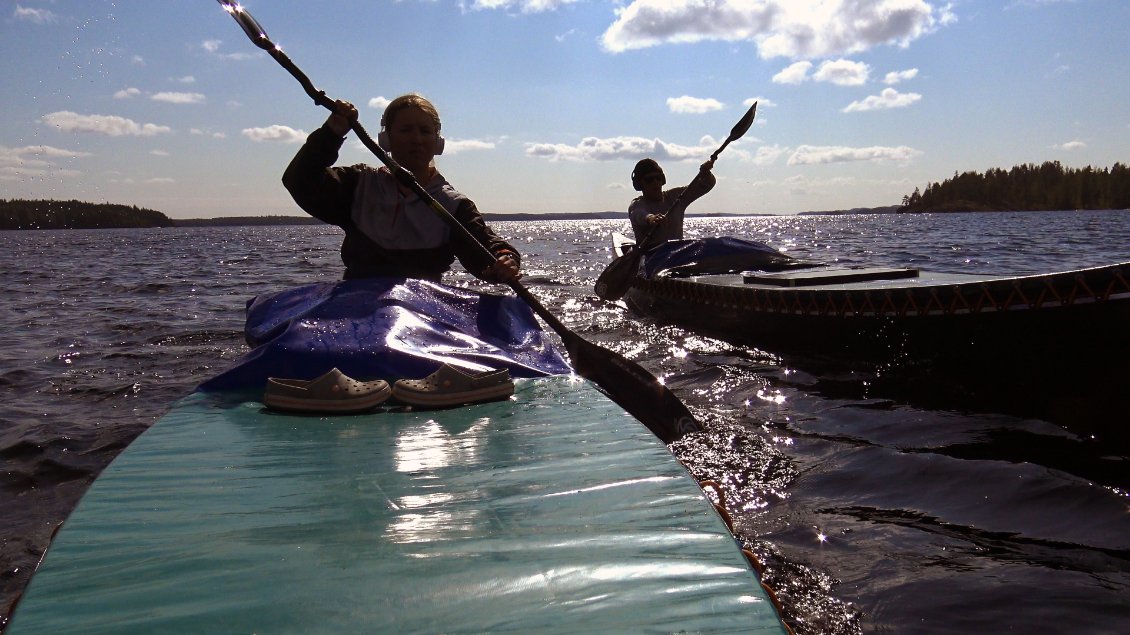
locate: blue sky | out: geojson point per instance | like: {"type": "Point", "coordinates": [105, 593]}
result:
{"type": "Point", "coordinates": [547, 104]}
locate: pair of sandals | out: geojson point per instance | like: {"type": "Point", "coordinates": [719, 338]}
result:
{"type": "Point", "coordinates": [334, 392]}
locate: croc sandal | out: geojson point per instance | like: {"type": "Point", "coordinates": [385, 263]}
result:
{"type": "Point", "coordinates": [332, 392]}
{"type": "Point", "coordinates": [451, 386]}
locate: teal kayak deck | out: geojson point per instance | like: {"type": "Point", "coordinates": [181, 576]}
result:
{"type": "Point", "coordinates": [553, 512]}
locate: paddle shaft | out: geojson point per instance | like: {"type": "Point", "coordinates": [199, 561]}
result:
{"type": "Point", "coordinates": [625, 381]}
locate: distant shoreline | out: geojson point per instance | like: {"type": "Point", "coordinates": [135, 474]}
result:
{"type": "Point", "coordinates": [50, 214]}
{"type": "Point", "coordinates": [18, 214]}
{"type": "Point", "coordinates": [234, 221]}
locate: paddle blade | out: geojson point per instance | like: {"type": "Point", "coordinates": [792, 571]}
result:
{"type": "Point", "coordinates": [247, 22]}
{"type": "Point", "coordinates": [738, 130]}
{"type": "Point", "coordinates": [616, 279]}
{"type": "Point", "coordinates": [743, 125]}
{"type": "Point", "coordinates": [634, 389]}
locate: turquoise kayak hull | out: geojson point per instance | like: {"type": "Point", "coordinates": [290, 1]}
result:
{"type": "Point", "coordinates": [551, 512]}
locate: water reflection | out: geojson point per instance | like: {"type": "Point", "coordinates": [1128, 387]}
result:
{"type": "Point", "coordinates": [422, 453]}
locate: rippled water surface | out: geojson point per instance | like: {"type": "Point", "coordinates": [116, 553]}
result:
{"type": "Point", "coordinates": [873, 512]}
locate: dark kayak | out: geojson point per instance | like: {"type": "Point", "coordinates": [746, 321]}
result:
{"type": "Point", "coordinates": [886, 314]}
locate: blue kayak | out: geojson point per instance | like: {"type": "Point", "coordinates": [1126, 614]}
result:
{"type": "Point", "coordinates": [550, 512]}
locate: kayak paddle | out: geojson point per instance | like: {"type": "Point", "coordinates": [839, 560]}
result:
{"type": "Point", "coordinates": [627, 383]}
{"type": "Point", "coordinates": [614, 281]}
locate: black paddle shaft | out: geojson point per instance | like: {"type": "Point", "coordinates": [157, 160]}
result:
{"type": "Point", "coordinates": [627, 383]}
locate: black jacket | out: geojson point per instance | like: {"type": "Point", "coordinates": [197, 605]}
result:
{"type": "Point", "coordinates": [386, 232]}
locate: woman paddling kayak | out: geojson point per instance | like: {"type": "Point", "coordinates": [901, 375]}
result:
{"type": "Point", "coordinates": [389, 231]}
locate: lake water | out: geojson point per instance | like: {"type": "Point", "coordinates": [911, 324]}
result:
{"type": "Point", "coordinates": [874, 513]}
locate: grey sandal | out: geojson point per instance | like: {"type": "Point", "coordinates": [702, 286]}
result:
{"type": "Point", "coordinates": [332, 392]}
{"type": "Point", "coordinates": [451, 386]}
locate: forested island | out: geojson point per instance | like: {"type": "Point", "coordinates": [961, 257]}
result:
{"type": "Point", "coordinates": [1029, 187]}
{"type": "Point", "coordinates": [50, 214]}
{"type": "Point", "coordinates": [47, 214]}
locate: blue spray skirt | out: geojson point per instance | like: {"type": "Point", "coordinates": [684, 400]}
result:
{"type": "Point", "coordinates": [388, 328]}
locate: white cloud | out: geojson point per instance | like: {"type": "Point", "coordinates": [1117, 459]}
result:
{"type": "Point", "coordinates": [821, 155]}
{"type": "Point", "coordinates": [693, 105]}
{"type": "Point", "coordinates": [127, 93]}
{"type": "Point", "coordinates": [619, 148]}
{"type": "Point", "coordinates": [523, 6]}
{"type": "Point", "coordinates": [379, 103]}
{"type": "Point", "coordinates": [179, 98]}
{"type": "Point", "coordinates": [159, 153]}
{"type": "Point", "coordinates": [35, 16]}
{"type": "Point", "coordinates": [896, 77]}
{"type": "Point", "coordinates": [213, 47]}
{"type": "Point", "coordinates": [1062, 69]}
{"type": "Point", "coordinates": [1036, 3]}
{"type": "Point", "coordinates": [160, 180]}
{"type": "Point", "coordinates": [187, 79]}
{"type": "Point", "coordinates": [35, 161]}
{"type": "Point", "coordinates": [767, 155]}
{"type": "Point", "coordinates": [802, 185]}
{"type": "Point", "coordinates": [41, 151]}
{"type": "Point", "coordinates": [647, 23]}
{"type": "Point", "coordinates": [283, 134]}
{"type": "Point", "coordinates": [453, 146]}
{"type": "Point", "coordinates": [796, 29]}
{"type": "Point", "coordinates": [1071, 145]}
{"type": "Point", "coordinates": [67, 121]}
{"type": "Point", "coordinates": [889, 98]}
{"type": "Point", "coordinates": [794, 73]}
{"type": "Point", "coordinates": [34, 157]}
{"type": "Point", "coordinates": [798, 185]}
{"type": "Point", "coordinates": [842, 72]}
{"type": "Point", "coordinates": [22, 174]}
{"type": "Point", "coordinates": [762, 102]}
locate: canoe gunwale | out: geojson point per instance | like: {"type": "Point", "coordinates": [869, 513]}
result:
{"type": "Point", "coordinates": [1097, 285]}
{"type": "Point", "coordinates": [1011, 323]}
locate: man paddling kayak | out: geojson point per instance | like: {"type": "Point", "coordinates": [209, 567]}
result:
{"type": "Point", "coordinates": [389, 231]}
{"type": "Point", "coordinates": [655, 216]}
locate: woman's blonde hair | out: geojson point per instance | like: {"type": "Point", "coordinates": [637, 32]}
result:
{"type": "Point", "coordinates": [408, 101]}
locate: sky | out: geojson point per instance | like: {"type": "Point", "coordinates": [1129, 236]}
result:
{"type": "Point", "coordinates": [547, 104]}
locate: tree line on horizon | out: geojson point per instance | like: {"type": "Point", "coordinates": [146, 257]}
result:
{"type": "Point", "coordinates": [1029, 187]}
{"type": "Point", "coordinates": [50, 214]}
